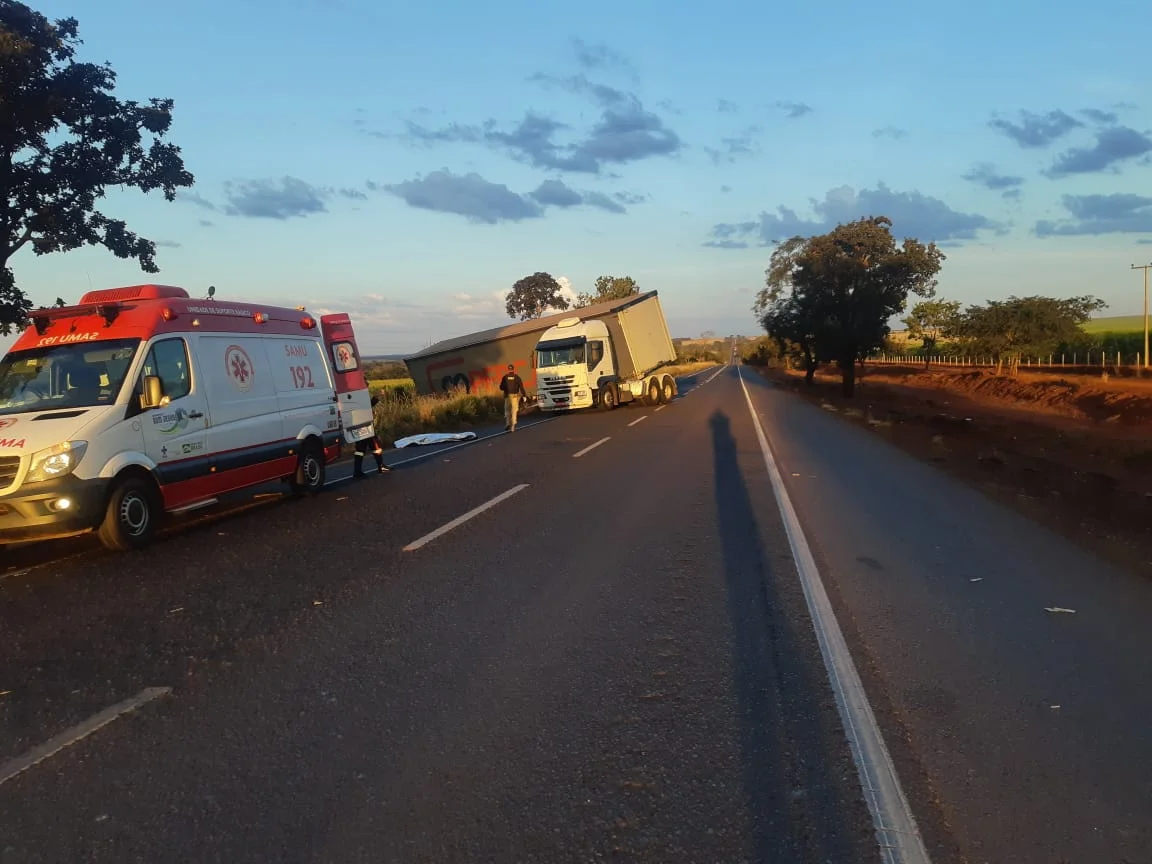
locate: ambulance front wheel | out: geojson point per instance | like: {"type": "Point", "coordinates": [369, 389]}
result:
{"type": "Point", "coordinates": [309, 476]}
{"type": "Point", "coordinates": [131, 516]}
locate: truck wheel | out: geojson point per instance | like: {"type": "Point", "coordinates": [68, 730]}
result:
{"type": "Point", "coordinates": [653, 395]}
{"type": "Point", "coordinates": [608, 398]}
{"type": "Point", "coordinates": [131, 516]}
{"type": "Point", "coordinates": [310, 471]}
{"type": "Point", "coordinates": [669, 390]}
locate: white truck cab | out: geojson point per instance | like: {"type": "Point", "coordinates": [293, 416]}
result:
{"type": "Point", "coordinates": [612, 359]}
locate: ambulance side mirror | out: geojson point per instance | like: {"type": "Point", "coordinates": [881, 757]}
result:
{"type": "Point", "coordinates": [153, 396]}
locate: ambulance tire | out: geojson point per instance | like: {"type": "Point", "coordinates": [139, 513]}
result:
{"type": "Point", "coordinates": [310, 471]}
{"type": "Point", "coordinates": [132, 515]}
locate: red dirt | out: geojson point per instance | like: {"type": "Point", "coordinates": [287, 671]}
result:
{"type": "Point", "coordinates": [1072, 452]}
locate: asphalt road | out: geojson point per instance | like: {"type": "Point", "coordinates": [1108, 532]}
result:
{"type": "Point", "coordinates": [612, 662]}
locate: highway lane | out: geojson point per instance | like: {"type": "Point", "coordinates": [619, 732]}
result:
{"type": "Point", "coordinates": [1027, 727]}
{"type": "Point", "coordinates": [16, 559]}
{"type": "Point", "coordinates": [84, 628]}
{"type": "Point", "coordinates": [652, 693]}
{"type": "Point", "coordinates": [503, 693]}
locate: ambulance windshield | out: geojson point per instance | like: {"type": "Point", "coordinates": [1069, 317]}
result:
{"type": "Point", "coordinates": [76, 375]}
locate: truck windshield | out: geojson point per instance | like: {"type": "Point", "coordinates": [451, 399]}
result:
{"type": "Point", "coordinates": [561, 352]}
{"type": "Point", "coordinates": [77, 375]}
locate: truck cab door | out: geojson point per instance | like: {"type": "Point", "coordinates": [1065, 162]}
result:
{"type": "Point", "coordinates": [175, 433]}
{"type": "Point", "coordinates": [357, 420]}
{"type": "Point", "coordinates": [599, 360]}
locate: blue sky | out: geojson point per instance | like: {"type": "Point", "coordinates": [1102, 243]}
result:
{"type": "Point", "coordinates": [409, 162]}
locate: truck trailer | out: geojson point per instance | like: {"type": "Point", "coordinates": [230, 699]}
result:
{"type": "Point", "coordinates": [608, 360]}
{"type": "Point", "coordinates": [475, 362]}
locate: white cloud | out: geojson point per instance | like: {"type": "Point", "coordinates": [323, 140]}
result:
{"type": "Point", "coordinates": [566, 291]}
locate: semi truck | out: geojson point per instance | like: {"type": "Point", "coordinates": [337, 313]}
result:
{"type": "Point", "coordinates": [475, 362]}
{"type": "Point", "coordinates": [606, 361]}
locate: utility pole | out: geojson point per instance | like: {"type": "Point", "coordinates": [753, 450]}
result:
{"type": "Point", "coordinates": [1145, 268]}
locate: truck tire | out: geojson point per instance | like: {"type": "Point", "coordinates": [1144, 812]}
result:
{"type": "Point", "coordinates": [310, 471]}
{"type": "Point", "coordinates": [131, 515]}
{"type": "Point", "coordinates": [668, 391]}
{"type": "Point", "coordinates": [609, 398]}
{"type": "Point", "coordinates": [653, 394]}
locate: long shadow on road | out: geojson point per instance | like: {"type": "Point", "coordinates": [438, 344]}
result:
{"type": "Point", "coordinates": [798, 774]}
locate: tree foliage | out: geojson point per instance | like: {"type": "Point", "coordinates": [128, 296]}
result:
{"type": "Point", "coordinates": [608, 288]}
{"type": "Point", "coordinates": [933, 320]}
{"type": "Point", "coordinates": [534, 295]}
{"type": "Point", "coordinates": [65, 138]}
{"type": "Point", "coordinates": [833, 294]}
{"type": "Point", "coordinates": [1035, 326]}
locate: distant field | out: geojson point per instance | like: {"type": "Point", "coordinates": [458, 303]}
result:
{"type": "Point", "coordinates": [375, 384]}
{"type": "Point", "coordinates": [1116, 324]}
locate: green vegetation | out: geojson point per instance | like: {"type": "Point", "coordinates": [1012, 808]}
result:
{"type": "Point", "coordinates": [680, 369]}
{"type": "Point", "coordinates": [608, 288]}
{"type": "Point", "coordinates": [64, 140]}
{"type": "Point", "coordinates": [534, 295]}
{"type": "Point", "coordinates": [706, 349]}
{"type": "Point", "coordinates": [830, 297]}
{"type": "Point", "coordinates": [1115, 325]}
{"type": "Point", "coordinates": [401, 412]}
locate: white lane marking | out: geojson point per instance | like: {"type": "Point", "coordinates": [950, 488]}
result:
{"type": "Point", "coordinates": [638, 419]}
{"type": "Point", "coordinates": [460, 520]}
{"type": "Point", "coordinates": [662, 407]}
{"type": "Point", "coordinates": [590, 447]}
{"type": "Point", "coordinates": [713, 378]}
{"type": "Point", "coordinates": [78, 732]}
{"type": "Point", "coordinates": [896, 830]}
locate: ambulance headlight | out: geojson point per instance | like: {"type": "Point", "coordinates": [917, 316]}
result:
{"type": "Point", "coordinates": [59, 460]}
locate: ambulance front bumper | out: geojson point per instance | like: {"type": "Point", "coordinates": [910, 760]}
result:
{"type": "Point", "coordinates": [53, 508]}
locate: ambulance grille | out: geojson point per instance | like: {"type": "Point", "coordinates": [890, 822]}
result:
{"type": "Point", "coordinates": [9, 468]}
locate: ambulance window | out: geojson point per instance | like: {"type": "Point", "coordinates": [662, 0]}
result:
{"type": "Point", "coordinates": [344, 356]}
{"type": "Point", "coordinates": [169, 361]}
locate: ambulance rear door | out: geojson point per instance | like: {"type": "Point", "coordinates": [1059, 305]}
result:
{"type": "Point", "coordinates": [352, 393]}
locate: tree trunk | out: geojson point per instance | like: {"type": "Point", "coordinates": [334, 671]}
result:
{"type": "Point", "coordinates": [848, 376]}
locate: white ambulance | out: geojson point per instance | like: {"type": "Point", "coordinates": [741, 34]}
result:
{"type": "Point", "coordinates": [142, 400]}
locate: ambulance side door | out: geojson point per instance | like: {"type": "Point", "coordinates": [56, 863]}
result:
{"type": "Point", "coordinates": [175, 435]}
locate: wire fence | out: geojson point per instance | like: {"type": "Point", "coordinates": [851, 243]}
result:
{"type": "Point", "coordinates": [1087, 362]}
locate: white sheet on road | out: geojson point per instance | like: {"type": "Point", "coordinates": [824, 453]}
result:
{"type": "Point", "coordinates": [433, 438]}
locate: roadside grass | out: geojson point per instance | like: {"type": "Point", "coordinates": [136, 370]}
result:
{"type": "Point", "coordinates": [378, 385]}
{"type": "Point", "coordinates": [401, 412]}
{"type": "Point", "coordinates": [681, 369]}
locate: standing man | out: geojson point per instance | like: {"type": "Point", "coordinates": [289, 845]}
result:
{"type": "Point", "coordinates": [512, 386]}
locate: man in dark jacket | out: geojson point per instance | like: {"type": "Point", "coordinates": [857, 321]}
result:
{"type": "Point", "coordinates": [512, 386]}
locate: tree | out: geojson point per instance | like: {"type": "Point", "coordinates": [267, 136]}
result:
{"type": "Point", "coordinates": [608, 288]}
{"type": "Point", "coordinates": [844, 286]}
{"type": "Point", "coordinates": [1006, 329]}
{"type": "Point", "coordinates": [534, 295]}
{"type": "Point", "coordinates": [64, 138]}
{"type": "Point", "coordinates": [931, 320]}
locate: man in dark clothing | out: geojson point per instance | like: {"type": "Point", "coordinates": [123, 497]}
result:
{"type": "Point", "coordinates": [512, 386]}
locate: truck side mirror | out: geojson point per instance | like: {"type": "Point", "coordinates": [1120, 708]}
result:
{"type": "Point", "coordinates": [153, 396]}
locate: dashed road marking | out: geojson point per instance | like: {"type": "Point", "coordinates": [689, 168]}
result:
{"type": "Point", "coordinates": [460, 520]}
{"type": "Point", "coordinates": [78, 732]}
{"type": "Point", "coordinates": [591, 447]}
{"type": "Point", "coordinates": [638, 419]}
